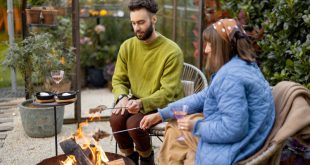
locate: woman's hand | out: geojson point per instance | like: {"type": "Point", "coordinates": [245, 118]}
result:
{"type": "Point", "coordinates": [186, 124]}
{"type": "Point", "coordinates": [150, 120]}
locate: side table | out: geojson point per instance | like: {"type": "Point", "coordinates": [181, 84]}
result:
{"type": "Point", "coordinates": [54, 104]}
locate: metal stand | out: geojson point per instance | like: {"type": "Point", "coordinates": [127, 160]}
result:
{"type": "Point", "coordinates": [54, 105]}
{"type": "Point", "coordinates": [55, 119]}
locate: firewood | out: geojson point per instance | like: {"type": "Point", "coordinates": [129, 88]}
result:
{"type": "Point", "coordinates": [70, 147]}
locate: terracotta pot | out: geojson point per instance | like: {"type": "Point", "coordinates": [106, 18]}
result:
{"type": "Point", "coordinates": [33, 16]}
{"type": "Point", "coordinates": [61, 11]}
{"type": "Point", "coordinates": [49, 17]}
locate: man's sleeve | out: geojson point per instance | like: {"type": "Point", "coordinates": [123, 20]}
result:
{"type": "Point", "coordinates": [120, 81]}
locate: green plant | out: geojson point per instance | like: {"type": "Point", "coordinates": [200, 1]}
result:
{"type": "Point", "coordinates": [255, 10]}
{"type": "Point", "coordinates": [5, 78]}
{"type": "Point", "coordinates": [36, 2]}
{"type": "Point", "coordinates": [100, 42]}
{"type": "Point", "coordinates": [3, 3]}
{"type": "Point", "coordinates": [103, 56]}
{"type": "Point", "coordinates": [285, 48]}
{"type": "Point", "coordinates": [63, 30]}
{"type": "Point", "coordinates": [36, 56]}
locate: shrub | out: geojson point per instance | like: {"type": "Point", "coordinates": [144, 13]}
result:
{"type": "Point", "coordinates": [36, 56]}
{"type": "Point", "coordinates": [285, 48]}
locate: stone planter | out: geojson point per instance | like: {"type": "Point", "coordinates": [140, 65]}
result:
{"type": "Point", "coordinates": [38, 122]}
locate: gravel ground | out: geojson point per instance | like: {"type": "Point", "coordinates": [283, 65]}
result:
{"type": "Point", "coordinates": [21, 149]}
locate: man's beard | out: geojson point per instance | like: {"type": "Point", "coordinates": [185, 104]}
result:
{"type": "Point", "coordinates": [147, 33]}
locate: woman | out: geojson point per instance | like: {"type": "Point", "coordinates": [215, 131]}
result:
{"type": "Point", "coordinates": [237, 107]}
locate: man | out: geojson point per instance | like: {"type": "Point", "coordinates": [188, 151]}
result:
{"type": "Point", "coordinates": [149, 68]}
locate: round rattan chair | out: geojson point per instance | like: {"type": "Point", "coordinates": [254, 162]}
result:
{"type": "Point", "coordinates": [193, 81]}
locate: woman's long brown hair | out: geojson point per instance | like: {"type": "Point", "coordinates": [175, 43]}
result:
{"type": "Point", "coordinates": [222, 51]}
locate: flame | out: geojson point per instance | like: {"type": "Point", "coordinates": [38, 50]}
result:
{"type": "Point", "coordinates": [87, 142]}
{"type": "Point", "coordinates": [93, 116]}
{"type": "Point", "coordinates": [98, 155]}
{"type": "Point", "coordinates": [79, 133]}
{"type": "Point", "coordinates": [69, 161]}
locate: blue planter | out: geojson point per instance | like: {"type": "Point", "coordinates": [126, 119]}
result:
{"type": "Point", "coordinates": [95, 77]}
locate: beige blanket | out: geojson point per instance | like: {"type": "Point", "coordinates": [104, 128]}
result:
{"type": "Point", "coordinates": [292, 102]}
{"type": "Point", "coordinates": [173, 152]}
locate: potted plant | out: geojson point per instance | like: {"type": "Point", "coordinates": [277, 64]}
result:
{"type": "Point", "coordinates": [33, 12]}
{"type": "Point", "coordinates": [99, 47]}
{"type": "Point", "coordinates": [35, 57]}
{"type": "Point", "coordinates": [36, 12]}
{"type": "Point", "coordinates": [49, 15]}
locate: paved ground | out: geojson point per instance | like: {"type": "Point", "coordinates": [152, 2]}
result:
{"type": "Point", "coordinates": [6, 93]}
{"type": "Point", "coordinates": [18, 148]}
{"type": "Point", "coordinates": [7, 113]}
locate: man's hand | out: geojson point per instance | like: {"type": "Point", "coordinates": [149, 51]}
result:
{"type": "Point", "coordinates": [150, 120]}
{"type": "Point", "coordinates": [134, 106]}
{"type": "Point", "coordinates": [121, 103]}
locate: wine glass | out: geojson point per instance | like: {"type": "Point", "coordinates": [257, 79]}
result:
{"type": "Point", "coordinates": [179, 112]}
{"type": "Point", "coordinates": [57, 75]}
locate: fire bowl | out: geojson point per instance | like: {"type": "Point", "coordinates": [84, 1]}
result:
{"type": "Point", "coordinates": [56, 159]}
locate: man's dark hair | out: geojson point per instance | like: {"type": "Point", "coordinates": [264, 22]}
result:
{"type": "Point", "coordinates": [149, 5]}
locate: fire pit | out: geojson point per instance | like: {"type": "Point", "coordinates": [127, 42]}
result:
{"type": "Point", "coordinates": [57, 159]}
{"type": "Point", "coordinates": [85, 149]}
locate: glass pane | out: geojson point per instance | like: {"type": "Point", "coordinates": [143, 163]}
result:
{"type": "Point", "coordinates": [186, 25]}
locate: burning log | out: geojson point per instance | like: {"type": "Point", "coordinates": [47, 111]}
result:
{"type": "Point", "coordinates": [70, 147]}
{"type": "Point", "coordinates": [83, 149]}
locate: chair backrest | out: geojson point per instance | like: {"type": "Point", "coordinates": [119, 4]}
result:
{"type": "Point", "coordinates": [193, 79]}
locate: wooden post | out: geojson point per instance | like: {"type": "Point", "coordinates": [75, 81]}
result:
{"type": "Point", "coordinates": [24, 24]}
{"type": "Point", "coordinates": [76, 45]}
{"type": "Point", "coordinates": [200, 31]}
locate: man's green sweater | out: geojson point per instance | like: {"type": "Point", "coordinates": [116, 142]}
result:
{"type": "Point", "coordinates": [151, 72]}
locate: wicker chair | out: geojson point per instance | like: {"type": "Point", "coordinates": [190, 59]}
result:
{"type": "Point", "coordinates": [193, 81]}
{"type": "Point", "coordinates": [292, 103]}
